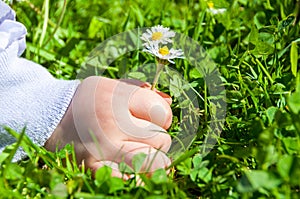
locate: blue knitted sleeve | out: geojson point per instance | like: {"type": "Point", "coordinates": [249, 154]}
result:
{"type": "Point", "coordinates": [29, 95]}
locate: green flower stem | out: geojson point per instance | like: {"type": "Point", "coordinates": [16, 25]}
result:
{"type": "Point", "coordinates": [159, 67]}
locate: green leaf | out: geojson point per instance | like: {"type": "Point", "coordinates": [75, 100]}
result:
{"type": "Point", "coordinates": [291, 144]}
{"type": "Point", "coordinates": [125, 168]}
{"type": "Point", "coordinates": [263, 41]}
{"type": "Point", "coordinates": [262, 48]}
{"type": "Point", "coordinates": [137, 75]}
{"type": "Point", "coordinates": [175, 86]}
{"type": "Point", "coordinates": [284, 166]}
{"type": "Point", "coordinates": [257, 179]}
{"type": "Point", "coordinates": [184, 167]}
{"type": "Point", "coordinates": [102, 175]}
{"type": "Point", "coordinates": [203, 173]}
{"type": "Point", "coordinates": [294, 58]}
{"type": "Point", "coordinates": [159, 176]}
{"type": "Point", "coordinates": [195, 74]}
{"type": "Point", "coordinates": [294, 102]}
{"type": "Point", "coordinates": [115, 184]}
{"type": "Point", "coordinates": [197, 161]}
{"type": "Point", "coordinates": [260, 19]}
{"type": "Point", "coordinates": [138, 161]}
{"type": "Point", "coordinates": [270, 112]}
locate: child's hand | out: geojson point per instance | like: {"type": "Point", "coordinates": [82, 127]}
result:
{"type": "Point", "coordinates": [112, 120]}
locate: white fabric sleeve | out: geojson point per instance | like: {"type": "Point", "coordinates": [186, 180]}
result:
{"type": "Point", "coordinates": [29, 96]}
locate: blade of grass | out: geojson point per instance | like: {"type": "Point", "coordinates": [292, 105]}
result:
{"type": "Point", "coordinates": [45, 23]}
{"type": "Point", "coordinates": [58, 23]}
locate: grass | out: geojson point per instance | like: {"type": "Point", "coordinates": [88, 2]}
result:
{"type": "Point", "coordinates": [255, 45]}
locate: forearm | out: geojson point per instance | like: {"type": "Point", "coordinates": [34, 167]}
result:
{"type": "Point", "coordinates": [29, 96]}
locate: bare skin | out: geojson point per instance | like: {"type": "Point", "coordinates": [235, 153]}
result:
{"type": "Point", "coordinates": [110, 121]}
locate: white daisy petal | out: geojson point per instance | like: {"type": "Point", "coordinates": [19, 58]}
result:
{"type": "Point", "coordinates": [163, 52]}
{"type": "Point", "coordinates": [158, 34]}
{"type": "Point", "coordinates": [216, 11]}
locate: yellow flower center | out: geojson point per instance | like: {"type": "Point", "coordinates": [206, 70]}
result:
{"type": "Point", "coordinates": [156, 36]}
{"type": "Point", "coordinates": [210, 4]}
{"type": "Point", "coordinates": [164, 50]}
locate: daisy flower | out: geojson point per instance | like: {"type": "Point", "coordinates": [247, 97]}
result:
{"type": "Point", "coordinates": [158, 34]}
{"type": "Point", "coordinates": [163, 53]}
{"type": "Point", "coordinates": [155, 40]}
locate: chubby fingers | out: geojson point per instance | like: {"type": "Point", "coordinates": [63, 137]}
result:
{"type": "Point", "coordinates": [154, 159]}
{"type": "Point", "coordinates": [165, 96]}
{"type": "Point", "coordinates": [145, 132]}
{"type": "Point", "coordinates": [151, 106]}
{"type": "Point", "coordinates": [148, 86]}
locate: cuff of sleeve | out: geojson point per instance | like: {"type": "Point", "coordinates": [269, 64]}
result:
{"type": "Point", "coordinates": [31, 98]}
{"type": "Point", "coordinates": [60, 94]}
